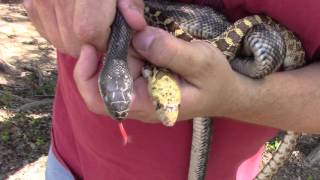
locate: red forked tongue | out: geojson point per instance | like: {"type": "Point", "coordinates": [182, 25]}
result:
{"type": "Point", "coordinates": [123, 133]}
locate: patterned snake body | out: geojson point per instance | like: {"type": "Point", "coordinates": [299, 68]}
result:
{"type": "Point", "coordinates": [255, 46]}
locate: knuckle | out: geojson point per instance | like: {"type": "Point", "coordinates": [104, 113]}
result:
{"type": "Point", "coordinates": [90, 107]}
{"type": "Point", "coordinates": [201, 58]}
{"type": "Point", "coordinates": [206, 56]}
{"type": "Point", "coordinates": [60, 3]}
{"type": "Point", "coordinates": [91, 104]}
{"type": "Point", "coordinates": [193, 64]}
{"type": "Point", "coordinates": [139, 5]}
{"type": "Point", "coordinates": [27, 5]}
{"type": "Point", "coordinates": [174, 53]}
{"type": "Point", "coordinates": [76, 76]}
{"type": "Point", "coordinates": [162, 51]}
{"type": "Point", "coordinates": [85, 31]}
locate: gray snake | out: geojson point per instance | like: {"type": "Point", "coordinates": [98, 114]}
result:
{"type": "Point", "coordinates": [266, 41]}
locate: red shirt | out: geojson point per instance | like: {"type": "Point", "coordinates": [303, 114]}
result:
{"type": "Point", "coordinates": [91, 146]}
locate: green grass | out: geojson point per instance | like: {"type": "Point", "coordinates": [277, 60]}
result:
{"type": "Point", "coordinates": [6, 98]}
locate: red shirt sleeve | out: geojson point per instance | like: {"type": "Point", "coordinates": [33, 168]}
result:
{"type": "Point", "coordinates": [301, 17]}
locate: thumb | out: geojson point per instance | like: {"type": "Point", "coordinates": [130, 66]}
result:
{"type": "Point", "coordinates": [132, 11]}
{"type": "Point", "coordinates": [86, 78]}
{"type": "Point", "coordinates": [87, 64]}
{"type": "Point", "coordinates": [188, 59]}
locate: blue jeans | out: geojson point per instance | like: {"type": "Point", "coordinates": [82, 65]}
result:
{"type": "Point", "coordinates": [55, 170]}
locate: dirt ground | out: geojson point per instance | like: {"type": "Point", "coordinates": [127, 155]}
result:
{"type": "Point", "coordinates": [27, 78]}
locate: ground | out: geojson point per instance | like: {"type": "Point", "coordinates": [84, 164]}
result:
{"type": "Point", "coordinates": [27, 78]}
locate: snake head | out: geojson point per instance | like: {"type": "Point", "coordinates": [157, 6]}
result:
{"type": "Point", "coordinates": [115, 86]}
{"type": "Point", "coordinates": [165, 93]}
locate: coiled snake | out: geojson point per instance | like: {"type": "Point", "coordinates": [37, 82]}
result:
{"type": "Point", "coordinates": [255, 46]}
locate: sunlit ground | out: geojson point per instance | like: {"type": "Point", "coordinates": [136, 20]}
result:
{"type": "Point", "coordinates": [24, 136]}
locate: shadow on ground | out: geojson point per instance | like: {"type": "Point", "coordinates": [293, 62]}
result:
{"type": "Point", "coordinates": [23, 140]}
{"type": "Point", "coordinates": [26, 93]}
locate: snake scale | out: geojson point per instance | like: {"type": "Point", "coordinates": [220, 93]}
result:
{"type": "Point", "coordinates": [255, 46]}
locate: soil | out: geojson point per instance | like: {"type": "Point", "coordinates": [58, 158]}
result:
{"type": "Point", "coordinates": [27, 79]}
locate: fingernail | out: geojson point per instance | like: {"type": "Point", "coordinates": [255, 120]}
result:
{"type": "Point", "coordinates": [143, 40]}
{"type": "Point", "coordinates": [132, 6]}
{"type": "Point", "coordinates": [135, 8]}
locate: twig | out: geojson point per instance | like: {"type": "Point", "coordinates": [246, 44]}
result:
{"type": "Point", "coordinates": [43, 96]}
{"type": "Point", "coordinates": [7, 68]}
{"type": "Point", "coordinates": [38, 73]}
{"type": "Point", "coordinates": [25, 100]}
{"type": "Point", "coordinates": [34, 104]}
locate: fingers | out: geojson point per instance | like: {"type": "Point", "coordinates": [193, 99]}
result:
{"type": "Point", "coordinates": [204, 69]}
{"type": "Point", "coordinates": [135, 63]}
{"type": "Point", "coordinates": [191, 104]}
{"type": "Point", "coordinates": [141, 107]}
{"type": "Point", "coordinates": [132, 11]}
{"type": "Point", "coordinates": [64, 18]}
{"type": "Point", "coordinates": [69, 25]}
{"type": "Point", "coordinates": [92, 21]}
{"type": "Point", "coordinates": [86, 78]}
{"type": "Point", "coordinates": [47, 16]}
{"type": "Point", "coordinates": [189, 60]}
{"type": "Point", "coordinates": [34, 16]}
{"type": "Point", "coordinates": [182, 57]}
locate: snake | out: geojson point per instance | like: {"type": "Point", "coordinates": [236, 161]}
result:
{"type": "Point", "coordinates": [255, 46]}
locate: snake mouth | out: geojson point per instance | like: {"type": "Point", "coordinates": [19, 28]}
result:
{"type": "Point", "coordinates": [119, 116]}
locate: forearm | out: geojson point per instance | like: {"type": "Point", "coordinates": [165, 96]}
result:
{"type": "Point", "coordinates": [286, 100]}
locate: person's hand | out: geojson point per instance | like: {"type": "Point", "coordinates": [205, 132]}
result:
{"type": "Point", "coordinates": [83, 26]}
{"type": "Point", "coordinates": [207, 81]}
{"type": "Point", "coordinates": [82, 23]}
{"type": "Point", "coordinates": [209, 84]}
{"type": "Point", "coordinates": [70, 24]}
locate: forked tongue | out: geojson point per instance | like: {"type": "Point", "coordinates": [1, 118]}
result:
{"type": "Point", "coordinates": [123, 133]}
